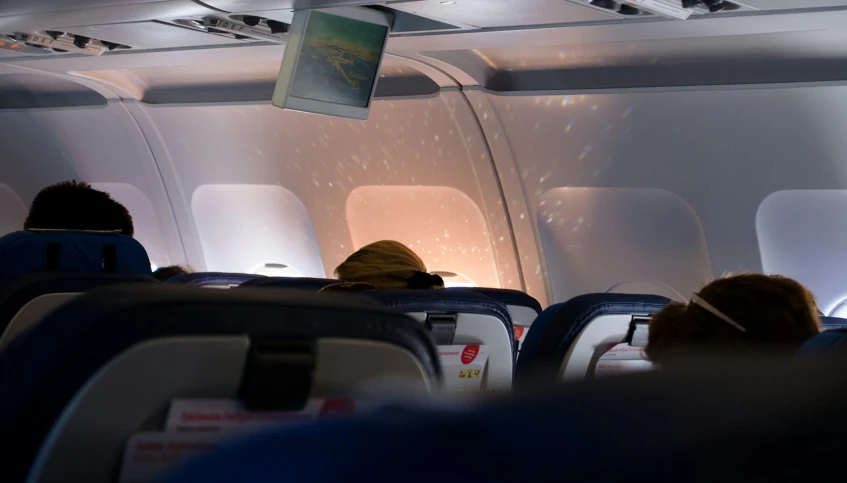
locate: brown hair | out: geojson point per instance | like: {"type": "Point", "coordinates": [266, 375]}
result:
{"type": "Point", "coordinates": [164, 273]}
{"type": "Point", "coordinates": [777, 313]}
{"type": "Point", "coordinates": [387, 264]}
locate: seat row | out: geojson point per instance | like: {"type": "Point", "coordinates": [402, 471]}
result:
{"type": "Point", "coordinates": [96, 351]}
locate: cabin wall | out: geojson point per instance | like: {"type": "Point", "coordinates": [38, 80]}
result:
{"type": "Point", "coordinates": [721, 151]}
{"type": "Point", "coordinates": [99, 144]}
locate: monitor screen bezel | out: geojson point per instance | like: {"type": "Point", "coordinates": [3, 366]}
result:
{"type": "Point", "coordinates": [282, 93]}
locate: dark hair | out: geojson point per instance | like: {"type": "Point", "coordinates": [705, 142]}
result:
{"type": "Point", "coordinates": [164, 273]}
{"type": "Point", "coordinates": [75, 205]}
{"type": "Point", "coordinates": [776, 313]}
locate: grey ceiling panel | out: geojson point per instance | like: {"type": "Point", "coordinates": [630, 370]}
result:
{"type": "Point", "coordinates": [253, 5]}
{"type": "Point", "coordinates": [793, 4]}
{"type": "Point", "coordinates": [504, 13]}
{"type": "Point", "coordinates": [148, 35]}
{"type": "Point", "coordinates": [22, 7]}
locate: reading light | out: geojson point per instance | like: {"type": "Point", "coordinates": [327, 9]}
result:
{"type": "Point", "coordinates": [81, 42]}
{"type": "Point", "coordinates": [251, 20]}
{"type": "Point", "coordinates": [448, 3]}
{"type": "Point", "coordinates": [278, 27]}
{"type": "Point", "coordinates": [607, 4]}
{"type": "Point", "coordinates": [716, 5]}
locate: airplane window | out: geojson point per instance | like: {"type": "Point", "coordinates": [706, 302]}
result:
{"type": "Point", "coordinates": [276, 270]}
{"type": "Point", "coordinates": [255, 229]}
{"type": "Point", "coordinates": [448, 230]}
{"type": "Point", "coordinates": [801, 235]}
{"type": "Point", "coordinates": [596, 238]}
{"type": "Point", "coordinates": [14, 210]}
{"type": "Point", "coordinates": [148, 231]}
{"type": "Point", "coordinates": [454, 280]}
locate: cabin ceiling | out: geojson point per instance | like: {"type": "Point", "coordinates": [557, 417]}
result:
{"type": "Point", "coordinates": [503, 45]}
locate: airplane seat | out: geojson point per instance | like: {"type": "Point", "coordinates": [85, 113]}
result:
{"type": "Point", "coordinates": [830, 323]}
{"type": "Point", "coordinates": [727, 422]}
{"type": "Point", "coordinates": [107, 364]}
{"type": "Point", "coordinates": [523, 308]}
{"type": "Point", "coordinates": [27, 299]}
{"type": "Point", "coordinates": [42, 269]}
{"type": "Point", "coordinates": [459, 317]}
{"type": "Point", "coordinates": [830, 343]}
{"type": "Point", "coordinates": [213, 279]}
{"type": "Point", "coordinates": [567, 340]}
{"type": "Point", "coordinates": [296, 283]}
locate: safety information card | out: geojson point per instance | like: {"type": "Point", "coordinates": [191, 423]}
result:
{"type": "Point", "coordinates": [621, 359]}
{"type": "Point", "coordinates": [464, 367]}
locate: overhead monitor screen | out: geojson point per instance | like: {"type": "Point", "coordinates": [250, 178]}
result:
{"type": "Point", "coordinates": [336, 62]}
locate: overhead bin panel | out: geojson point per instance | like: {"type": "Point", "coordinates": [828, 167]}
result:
{"type": "Point", "coordinates": [23, 7]}
{"type": "Point", "coordinates": [503, 13]}
{"type": "Point", "coordinates": [794, 4]}
{"type": "Point", "coordinates": [148, 35]}
{"type": "Point", "coordinates": [255, 5]}
{"type": "Point", "coordinates": [120, 12]}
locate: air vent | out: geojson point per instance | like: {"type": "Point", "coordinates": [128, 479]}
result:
{"type": "Point", "coordinates": [54, 41]}
{"type": "Point", "coordinates": [239, 27]}
{"type": "Point", "coordinates": [676, 9]}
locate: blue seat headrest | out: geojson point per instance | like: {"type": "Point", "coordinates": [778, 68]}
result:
{"type": "Point", "coordinates": [44, 367]}
{"type": "Point", "coordinates": [24, 252]}
{"type": "Point", "coordinates": [830, 323]}
{"type": "Point", "coordinates": [506, 297]}
{"type": "Point", "coordinates": [201, 279]}
{"type": "Point", "coordinates": [557, 328]}
{"type": "Point", "coordinates": [297, 283]}
{"type": "Point", "coordinates": [829, 343]}
{"type": "Point", "coordinates": [460, 301]}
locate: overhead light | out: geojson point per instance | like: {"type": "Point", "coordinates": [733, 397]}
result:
{"type": "Point", "coordinates": [448, 3]}
{"type": "Point", "coordinates": [716, 5]}
{"type": "Point", "coordinates": [607, 4]}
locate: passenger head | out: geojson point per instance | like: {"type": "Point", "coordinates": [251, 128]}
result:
{"type": "Point", "coordinates": [733, 315]}
{"type": "Point", "coordinates": [387, 264]}
{"type": "Point", "coordinates": [164, 273]}
{"type": "Point", "coordinates": [75, 205]}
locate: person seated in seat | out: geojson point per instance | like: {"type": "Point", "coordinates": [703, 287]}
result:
{"type": "Point", "coordinates": [163, 273]}
{"type": "Point", "coordinates": [387, 264]}
{"type": "Point", "coordinates": [75, 205]}
{"type": "Point", "coordinates": [735, 315]}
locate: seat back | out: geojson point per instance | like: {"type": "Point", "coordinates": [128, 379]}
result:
{"type": "Point", "coordinates": [458, 317]}
{"type": "Point", "coordinates": [568, 338]}
{"type": "Point", "coordinates": [830, 323]}
{"type": "Point", "coordinates": [296, 283]}
{"type": "Point", "coordinates": [25, 252]}
{"type": "Point", "coordinates": [830, 343]}
{"type": "Point", "coordinates": [523, 308]}
{"type": "Point", "coordinates": [106, 365]}
{"type": "Point", "coordinates": [27, 299]}
{"type": "Point", "coordinates": [213, 279]}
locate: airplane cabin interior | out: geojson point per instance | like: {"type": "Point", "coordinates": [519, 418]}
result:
{"type": "Point", "coordinates": [565, 170]}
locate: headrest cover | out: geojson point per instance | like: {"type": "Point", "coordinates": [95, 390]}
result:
{"type": "Point", "coordinates": [458, 301]}
{"type": "Point", "coordinates": [24, 252]}
{"type": "Point", "coordinates": [829, 343]}
{"type": "Point", "coordinates": [296, 283]}
{"type": "Point", "coordinates": [508, 297]}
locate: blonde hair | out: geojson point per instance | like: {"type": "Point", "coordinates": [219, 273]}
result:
{"type": "Point", "coordinates": [387, 264]}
